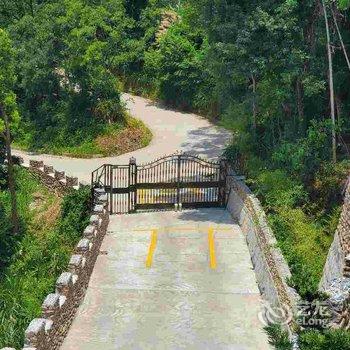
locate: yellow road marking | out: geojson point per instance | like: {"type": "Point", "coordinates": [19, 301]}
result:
{"type": "Point", "coordinates": [211, 248]}
{"type": "Point", "coordinates": [151, 249]}
{"type": "Point", "coordinates": [179, 228]}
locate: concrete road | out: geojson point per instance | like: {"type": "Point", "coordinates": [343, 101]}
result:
{"type": "Point", "coordinates": [170, 280]}
{"type": "Point", "coordinates": [172, 131]}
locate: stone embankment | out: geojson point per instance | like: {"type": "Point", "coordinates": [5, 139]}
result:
{"type": "Point", "coordinates": [336, 274]}
{"type": "Point", "coordinates": [272, 271]}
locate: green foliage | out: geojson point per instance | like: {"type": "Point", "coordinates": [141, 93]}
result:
{"type": "Point", "coordinates": [305, 247]}
{"type": "Point", "coordinates": [114, 139]}
{"type": "Point", "coordinates": [75, 212]}
{"type": "Point", "coordinates": [278, 190]}
{"type": "Point", "coordinates": [65, 56]}
{"type": "Point", "coordinates": [305, 157]}
{"type": "Point", "coordinates": [328, 340]}
{"type": "Point", "coordinates": [327, 189]}
{"type": "Point", "coordinates": [175, 67]}
{"type": "Point", "coordinates": [8, 105]}
{"type": "Point", "coordinates": [25, 186]}
{"type": "Point", "coordinates": [343, 4]}
{"type": "Point", "coordinates": [278, 337]}
{"type": "Point", "coordinates": [303, 241]}
{"type": "Point", "coordinates": [38, 255]}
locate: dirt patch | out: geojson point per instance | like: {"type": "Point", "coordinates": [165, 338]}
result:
{"type": "Point", "coordinates": [46, 210]}
{"type": "Point", "coordinates": [123, 141]}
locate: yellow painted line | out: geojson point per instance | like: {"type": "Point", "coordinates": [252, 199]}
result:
{"type": "Point", "coordinates": [181, 229]}
{"type": "Point", "coordinates": [211, 248]}
{"type": "Point", "coordinates": [151, 249]}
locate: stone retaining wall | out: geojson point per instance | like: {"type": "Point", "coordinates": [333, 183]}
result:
{"type": "Point", "coordinates": [56, 181]}
{"type": "Point", "coordinates": [271, 269]}
{"type": "Point", "coordinates": [336, 274]}
{"type": "Point", "coordinates": [59, 307]}
{"type": "Point", "coordinates": [335, 266]}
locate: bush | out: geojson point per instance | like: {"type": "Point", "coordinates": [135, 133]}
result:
{"type": "Point", "coordinates": [328, 340]}
{"type": "Point", "coordinates": [278, 337]}
{"type": "Point", "coordinates": [306, 156]}
{"type": "Point", "coordinates": [75, 212]}
{"type": "Point", "coordinates": [326, 191]}
{"type": "Point", "coordinates": [278, 190]}
{"type": "Point", "coordinates": [305, 247]}
{"type": "Point", "coordinates": [175, 66]}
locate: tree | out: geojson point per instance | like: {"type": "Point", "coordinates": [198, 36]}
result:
{"type": "Point", "coordinates": [331, 83]}
{"type": "Point", "coordinates": [9, 116]}
{"type": "Point", "coordinates": [66, 56]}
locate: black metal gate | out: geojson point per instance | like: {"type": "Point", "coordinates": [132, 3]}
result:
{"type": "Point", "coordinates": [179, 180]}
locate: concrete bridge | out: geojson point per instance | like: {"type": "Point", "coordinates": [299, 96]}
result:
{"type": "Point", "coordinates": [168, 280]}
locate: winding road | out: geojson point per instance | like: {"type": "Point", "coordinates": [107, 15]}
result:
{"type": "Point", "coordinates": [167, 280]}
{"type": "Point", "coordinates": [172, 131]}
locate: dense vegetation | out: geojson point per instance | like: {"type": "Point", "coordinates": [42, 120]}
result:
{"type": "Point", "coordinates": [66, 53]}
{"type": "Point", "coordinates": [258, 68]}
{"type": "Point", "coordinates": [31, 261]}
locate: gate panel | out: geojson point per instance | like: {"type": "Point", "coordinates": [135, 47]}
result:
{"type": "Point", "coordinates": [199, 182]}
{"type": "Point", "coordinates": [177, 179]}
{"type": "Point", "coordinates": [120, 189]}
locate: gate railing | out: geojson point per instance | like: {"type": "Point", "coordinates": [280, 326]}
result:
{"type": "Point", "coordinates": [179, 179]}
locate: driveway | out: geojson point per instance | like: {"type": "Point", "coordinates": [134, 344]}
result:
{"type": "Point", "coordinates": [167, 280]}
{"type": "Point", "coordinates": [172, 131]}
{"type": "Point", "coordinates": [171, 280]}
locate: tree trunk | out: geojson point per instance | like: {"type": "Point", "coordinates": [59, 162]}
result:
{"type": "Point", "coordinates": [255, 112]}
{"type": "Point", "coordinates": [10, 170]}
{"type": "Point", "coordinates": [338, 107]}
{"type": "Point", "coordinates": [300, 106]}
{"type": "Point", "coordinates": [341, 39]}
{"type": "Point", "coordinates": [331, 84]}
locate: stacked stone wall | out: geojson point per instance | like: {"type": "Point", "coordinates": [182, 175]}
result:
{"type": "Point", "coordinates": [272, 271]}
{"type": "Point", "coordinates": [56, 181]}
{"type": "Point", "coordinates": [336, 274]}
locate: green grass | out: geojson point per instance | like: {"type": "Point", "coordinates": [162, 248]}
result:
{"type": "Point", "coordinates": [115, 139]}
{"type": "Point", "coordinates": [303, 238]}
{"type": "Point", "coordinates": [305, 246]}
{"type": "Point", "coordinates": [39, 254]}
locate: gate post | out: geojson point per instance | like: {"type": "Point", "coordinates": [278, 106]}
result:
{"type": "Point", "coordinates": [178, 179]}
{"type": "Point", "coordinates": [132, 184]}
{"type": "Point", "coordinates": [222, 181]}
{"type": "Point", "coordinates": [110, 183]}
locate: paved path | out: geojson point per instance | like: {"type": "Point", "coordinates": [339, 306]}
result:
{"type": "Point", "coordinates": [179, 301]}
{"type": "Point", "coordinates": [172, 131]}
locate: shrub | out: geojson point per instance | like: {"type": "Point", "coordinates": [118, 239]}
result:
{"type": "Point", "coordinates": [328, 340]}
{"type": "Point", "coordinates": [305, 247]}
{"type": "Point", "coordinates": [305, 157]}
{"type": "Point", "coordinates": [75, 213]}
{"type": "Point", "coordinates": [278, 190]}
{"type": "Point", "coordinates": [278, 337]}
{"type": "Point", "coordinates": [327, 189]}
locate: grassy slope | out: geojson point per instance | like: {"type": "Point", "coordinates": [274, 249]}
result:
{"type": "Point", "coordinates": [303, 227]}
{"type": "Point", "coordinates": [40, 254]}
{"type": "Point", "coordinates": [115, 140]}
